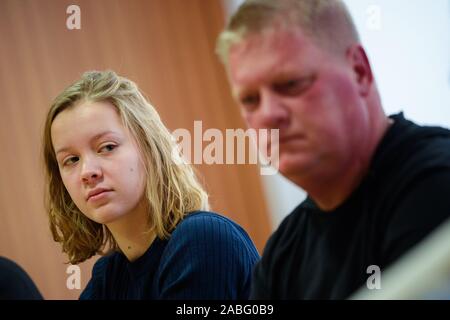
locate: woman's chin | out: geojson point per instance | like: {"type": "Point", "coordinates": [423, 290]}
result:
{"type": "Point", "coordinates": [105, 217]}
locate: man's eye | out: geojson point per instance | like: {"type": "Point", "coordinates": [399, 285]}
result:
{"type": "Point", "coordinates": [294, 86]}
{"type": "Point", "coordinates": [249, 102]}
{"type": "Point", "coordinates": [70, 161]}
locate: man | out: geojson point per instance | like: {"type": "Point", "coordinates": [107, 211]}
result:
{"type": "Point", "coordinates": [376, 185]}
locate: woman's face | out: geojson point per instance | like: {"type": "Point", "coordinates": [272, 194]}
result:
{"type": "Point", "coordinates": [99, 162]}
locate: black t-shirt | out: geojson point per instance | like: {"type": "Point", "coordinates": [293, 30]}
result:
{"type": "Point", "coordinates": [326, 255]}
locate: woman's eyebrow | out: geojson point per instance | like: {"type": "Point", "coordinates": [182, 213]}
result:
{"type": "Point", "coordinates": [93, 139]}
{"type": "Point", "coordinates": [104, 133]}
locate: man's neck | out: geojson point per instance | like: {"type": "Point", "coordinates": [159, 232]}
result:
{"type": "Point", "coordinates": [331, 191]}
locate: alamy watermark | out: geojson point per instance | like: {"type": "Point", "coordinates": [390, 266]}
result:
{"type": "Point", "coordinates": [74, 279]}
{"type": "Point", "coordinates": [236, 146]}
{"type": "Point", "coordinates": [73, 21]}
{"type": "Point", "coordinates": [374, 18]}
{"type": "Point", "coordinates": [374, 280]}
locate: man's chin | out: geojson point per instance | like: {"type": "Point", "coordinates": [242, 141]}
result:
{"type": "Point", "coordinates": [294, 168]}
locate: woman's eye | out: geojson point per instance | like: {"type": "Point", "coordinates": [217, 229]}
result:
{"type": "Point", "coordinates": [70, 161]}
{"type": "Point", "coordinates": [108, 148]}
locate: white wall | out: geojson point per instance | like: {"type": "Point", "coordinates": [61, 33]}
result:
{"type": "Point", "coordinates": [409, 51]}
{"type": "Point", "coordinates": [408, 45]}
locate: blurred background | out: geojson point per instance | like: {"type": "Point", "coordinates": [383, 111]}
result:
{"type": "Point", "coordinates": [167, 48]}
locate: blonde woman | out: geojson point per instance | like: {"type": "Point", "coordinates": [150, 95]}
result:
{"type": "Point", "coordinates": [114, 187]}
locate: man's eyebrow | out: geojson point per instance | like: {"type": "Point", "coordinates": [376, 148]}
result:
{"type": "Point", "coordinates": [94, 138]}
{"type": "Point", "coordinates": [239, 93]}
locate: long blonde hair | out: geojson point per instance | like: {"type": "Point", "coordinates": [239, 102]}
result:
{"type": "Point", "coordinates": [172, 189]}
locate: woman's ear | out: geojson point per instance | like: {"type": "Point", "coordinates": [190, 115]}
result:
{"type": "Point", "coordinates": [357, 58]}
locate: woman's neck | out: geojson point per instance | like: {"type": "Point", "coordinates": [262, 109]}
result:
{"type": "Point", "coordinates": [132, 234]}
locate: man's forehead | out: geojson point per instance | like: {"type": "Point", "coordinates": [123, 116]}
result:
{"type": "Point", "coordinates": [271, 38]}
{"type": "Point", "coordinates": [269, 54]}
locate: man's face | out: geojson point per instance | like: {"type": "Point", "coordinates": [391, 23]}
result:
{"type": "Point", "coordinates": [283, 80]}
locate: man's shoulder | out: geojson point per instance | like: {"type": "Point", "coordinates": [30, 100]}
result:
{"type": "Point", "coordinates": [298, 212]}
{"type": "Point", "coordinates": [409, 152]}
{"type": "Point", "coordinates": [415, 141]}
{"type": "Point", "coordinates": [290, 226]}
{"type": "Point", "coordinates": [425, 155]}
{"type": "Point", "coordinates": [430, 144]}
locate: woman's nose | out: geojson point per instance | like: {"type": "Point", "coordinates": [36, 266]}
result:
{"type": "Point", "coordinates": [91, 171]}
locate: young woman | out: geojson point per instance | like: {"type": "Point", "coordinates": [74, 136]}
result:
{"type": "Point", "coordinates": [116, 187]}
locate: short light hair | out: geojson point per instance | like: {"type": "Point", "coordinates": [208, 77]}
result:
{"type": "Point", "coordinates": [327, 22]}
{"type": "Point", "coordinates": [172, 189]}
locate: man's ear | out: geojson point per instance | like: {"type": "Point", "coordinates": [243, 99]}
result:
{"type": "Point", "coordinates": [357, 59]}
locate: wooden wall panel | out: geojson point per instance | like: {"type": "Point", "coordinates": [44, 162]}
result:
{"type": "Point", "coordinates": [167, 47]}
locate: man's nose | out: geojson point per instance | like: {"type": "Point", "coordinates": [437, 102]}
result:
{"type": "Point", "coordinates": [91, 171]}
{"type": "Point", "coordinates": [274, 111]}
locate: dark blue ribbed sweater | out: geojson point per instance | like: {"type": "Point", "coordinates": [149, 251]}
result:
{"type": "Point", "coordinates": [207, 256]}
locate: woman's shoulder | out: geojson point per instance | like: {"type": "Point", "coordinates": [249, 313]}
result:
{"type": "Point", "coordinates": [104, 263]}
{"type": "Point", "coordinates": [209, 227]}
{"type": "Point", "coordinates": [208, 256]}
{"type": "Point", "coordinates": [207, 221]}
{"type": "Point", "coordinates": [204, 234]}
{"type": "Point", "coordinates": [201, 215]}
{"type": "Point", "coordinates": [95, 287]}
